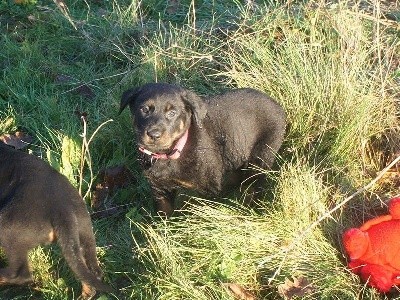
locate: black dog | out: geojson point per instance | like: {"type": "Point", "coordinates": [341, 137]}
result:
{"type": "Point", "coordinates": [202, 144]}
{"type": "Point", "coordinates": [38, 206]}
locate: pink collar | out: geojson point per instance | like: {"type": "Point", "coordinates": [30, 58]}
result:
{"type": "Point", "coordinates": [174, 154]}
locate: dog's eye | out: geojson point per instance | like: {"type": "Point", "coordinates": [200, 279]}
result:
{"type": "Point", "coordinates": [145, 110]}
{"type": "Point", "coordinates": [170, 114]}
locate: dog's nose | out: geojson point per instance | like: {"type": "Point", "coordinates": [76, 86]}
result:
{"type": "Point", "coordinates": [154, 134]}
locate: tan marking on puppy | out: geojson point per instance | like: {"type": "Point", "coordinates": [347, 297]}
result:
{"type": "Point", "coordinates": [178, 134]}
{"type": "Point", "coordinates": [52, 236]}
{"type": "Point", "coordinates": [87, 291]}
{"type": "Point", "coordinates": [181, 126]}
{"type": "Point", "coordinates": [168, 107]}
{"type": "Point", "coordinates": [185, 184]}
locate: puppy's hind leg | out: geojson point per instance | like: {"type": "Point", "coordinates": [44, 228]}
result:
{"type": "Point", "coordinates": [164, 200]}
{"type": "Point", "coordinates": [17, 272]}
{"type": "Point", "coordinates": [266, 150]}
{"type": "Point", "coordinates": [88, 246]}
{"type": "Point", "coordinates": [69, 241]}
{"type": "Point", "coordinates": [263, 157]}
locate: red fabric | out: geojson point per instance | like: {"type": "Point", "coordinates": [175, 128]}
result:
{"type": "Point", "coordinates": [374, 249]}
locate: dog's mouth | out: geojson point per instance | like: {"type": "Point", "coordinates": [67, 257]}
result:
{"type": "Point", "coordinates": [162, 140]}
{"type": "Point", "coordinates": [175, 153]}
{"type": "Point", "coordinates": [162, 148]}
{"type": "Point", "coordinates": [164, 145]}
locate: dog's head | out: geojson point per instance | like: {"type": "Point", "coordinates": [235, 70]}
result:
{"type": "Point", "coordinates": [162, 113]}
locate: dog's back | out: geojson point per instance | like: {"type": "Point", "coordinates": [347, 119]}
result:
{"type": "Point", "coordinates": [38, 206]}
{"type": "Point", "coordinates": [252, 124]}
{"type": "Point", "coordinates": [31, 191]}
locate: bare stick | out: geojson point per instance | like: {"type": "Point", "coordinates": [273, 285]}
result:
{"type": "Point", "coordinates": [85, 155]}
{"type": "Point", "coordinates": [83, 150]}
{"type": "Point", "coordinates": [65, 11]}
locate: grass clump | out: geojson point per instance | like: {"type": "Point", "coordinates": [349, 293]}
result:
{"type": "Point", "coordinates": [322, 68]}
{"type": "Point", "coordinates": [193, 256]}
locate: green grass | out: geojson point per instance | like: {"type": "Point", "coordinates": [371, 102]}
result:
{"type": "Point", "coordinates": [331, 66]}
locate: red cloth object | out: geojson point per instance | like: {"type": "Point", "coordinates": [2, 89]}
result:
{"type": "Point", "coordinates": [374, 249]}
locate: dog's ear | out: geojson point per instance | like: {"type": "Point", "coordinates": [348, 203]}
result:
{"type": "Point", "coordinates": [128, 97]}
{"type": "Point", "coordinates": [196, 105]}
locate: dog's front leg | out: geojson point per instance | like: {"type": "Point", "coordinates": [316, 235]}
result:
{"type": "Point", "coordinates": [164, 201]}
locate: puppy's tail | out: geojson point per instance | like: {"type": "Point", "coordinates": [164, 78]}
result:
{"type": "Point", "coordinates": [68, 238]}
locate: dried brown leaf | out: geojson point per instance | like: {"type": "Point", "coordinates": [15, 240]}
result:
{"type": "Point", "coordinates": [85, 91]}
{"type": "Point", "coordinates": [32, 18]}
{"type": "Point", "coordinates": [391, 177]}
{"type": "Point", "coordinates": [299, 287]}
{"type": "Point", "coordinates": [99, 196]}
{"type": "Point", "coordinates": [116, 177]}
{"type": "Point", "coordinates": [173, 6]}
{"type": "Point", "coordinates": [239, 292]}
{"type": "Point", "coordinates": [110, 179]}
{"type": "Point", "coordinates": [61, 78]}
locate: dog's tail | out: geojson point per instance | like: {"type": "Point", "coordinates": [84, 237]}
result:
{"type": "Point", "coordinates": [67, 234]}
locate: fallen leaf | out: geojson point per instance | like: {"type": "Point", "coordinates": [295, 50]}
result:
{"type": "Point", "coordinates": [32, 18]}
{"type": "Point", "coordinates": [117, 177]}
{"type": "Point", "coordinates": [110, 179]}
{"type": "Point", "coordinates": [82, 115]}
{"type": "Point", "coordinates": [99, 196]}
{"type": "Point", "coordinates": [85, 91]}
{"type": "Point", "coordinates": [18, 140]}
{"type": "Point", "coordinates": [239, 292]}
{"type": "Point", "coordinates": [298, 288]}
{"type": "Point", "coordinates": [61, 78]}
{"type": "Point", "coordinates": [391, 178]}
{"type": "Point", "coordinates": [173, 6]}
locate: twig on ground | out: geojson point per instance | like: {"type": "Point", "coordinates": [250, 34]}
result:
{"type": "Point", "coordinates": [65, 11]}
{"type": "Point", "coordinates": [85, 155]}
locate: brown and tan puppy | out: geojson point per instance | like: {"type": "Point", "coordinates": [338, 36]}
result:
{"type": "Point", "coordinates": [202, 144]}
{"type": "Point", "coordinates": [39, 206]}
